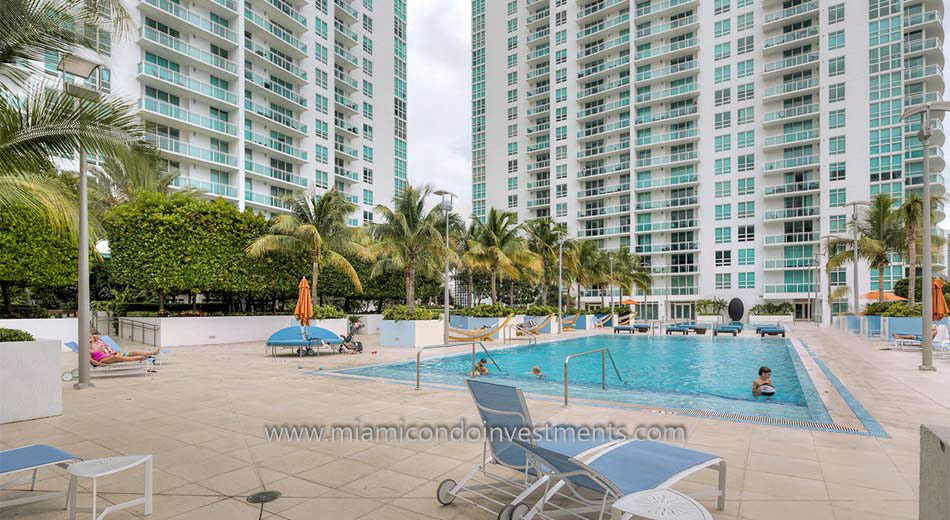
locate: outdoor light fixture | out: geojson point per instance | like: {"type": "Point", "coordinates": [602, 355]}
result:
{"type": "Point", "coordinates": [447, 198]}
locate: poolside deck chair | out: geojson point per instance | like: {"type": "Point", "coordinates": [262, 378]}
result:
{"type": "Point", "coordinates": [535, 329]}
{"type": "Point", "coordinates": [31, 458]}
{"type": "Point", "coordinates": [478, 334]}
{"type": "Point", "coordinates": [159, 359]}
{"type": "Point", "coordinates": [682, 328]}
{"type": "Point", "coordinates": [504, 414]}
{"type": "Point", "coordinates": [124, 368]}
{"type": "Point", "coordinates": [569, 324]}
{"type": "Point", "coordinates": [304, 342]}
{"type": "Point", "coordinates": [726, 329]}
{"type": "Point", "coordinates": [618, 470]}
{"type": "Point", "coordinates": [770, 330]}
{"type": "Point", "coordinates": [624, 320]}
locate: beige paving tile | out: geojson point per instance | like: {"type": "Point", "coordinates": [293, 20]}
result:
{"type": "Point", "coordinates": [345, 508]}
{"type": "Point", "coordinates": [383, 483]}
{"type": "Point", "coordinates": [786, 510]}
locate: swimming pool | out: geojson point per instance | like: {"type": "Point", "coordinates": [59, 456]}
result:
{"type": "Point", "coordinates": [691, 373]}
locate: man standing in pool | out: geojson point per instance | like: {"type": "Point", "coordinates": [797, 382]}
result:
{"type": "Point", "coordinates": [763, 384]}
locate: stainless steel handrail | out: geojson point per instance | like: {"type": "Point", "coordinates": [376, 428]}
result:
{"type": "Point", "coordinates": [604, 353]}
{"type": "Point", "coordinates": [144, 327]}
{"type": "Point", "coordinates": [507, 336]}
{"type": "Point", "coordinates": [447, 345]}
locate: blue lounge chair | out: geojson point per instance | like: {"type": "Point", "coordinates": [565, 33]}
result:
{"type": "Point", "coordinates": [31, 458]}
{"type": "Point", "coordinates": [736, 324]}
{"type": "Point", "coordinates": [770, 330]}
{"type": "Point", "coordinates": [726, 329]}
{"type": "Point", "coordinates": [633, 327]}
{"type": "Point", "coordinates": [684, 328]}
{"type": "Point", "coordinates": [124, 368]}
{"type": "Point", "coordinates": [621, 469]}
{"type": "Point", "coordinates": [305, 342]}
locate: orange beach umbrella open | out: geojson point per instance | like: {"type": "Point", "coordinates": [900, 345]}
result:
{"type": "Point", "coordinates": [888, 297]}
{"type": "Point", "coordinates": [304, 309]}
{"type": "Point", "coordinates": [628, 301]}
{"type": "Point", "coordinates": [940, 303]}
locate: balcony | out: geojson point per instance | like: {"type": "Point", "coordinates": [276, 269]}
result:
{"type": "Point", "coordinates": [603, 68]}
{"type": "Point", "coordinates": [345, 57]}
{"type": "Point", "coordinates": [604, 87]}
{"type": "Point", "coordinates": [346, 80]}
{"type": "Point", "coordinates": [599, 8]}
{"type": "Point", "coordinates": [651, 205]}
{"type": "Point", "coordinates": [668, 51]}
{"type": "Point", "coordinates": [290, 43]}
{"type": "Point", "coordinates": [539, 147]}
{"type": "Point", "coordinates": [538, 109]}
{"type": "Point", "coordinates": [791, 263]}
{"type": "Point", "coordinates": [669, 29]}
{"type": "Point", "coordinates": [189, 151]}
{"type": "Point", "coordinates": [538, 184]}
{"type": "Point", "coordinates": [603, 211]}
{"type": "Point", "coordinates": [538, 54]}
{"type": "Point", "coordinates": [596, 29]}
{"type": "Point", "coordinates": [924, 73]}
{"type": "Point", "coordinates": [656, 8]}
{"type": "Point", "coordinates": [920, 46]}
{"type": "Point", "coordinates": [791, 64]}
{"type": "Point", "coordinates": [274, 88]}
{"type": "Point", "coordinates": [273, 116]}
{"type": "Point", "coordinates": [345, 174]}
{"type": "Point", "coordinates": [924, 19]}
{"type": "Point", "coordinates": [346, 11]}
{"type": "Point", "coordinates": [806, 10]}
{"type": "Point", "coordinates": [537, 91]}
{"type": "Point", "coordinates": [174, 113]}
{"type": "Point", "coordinates": [674, 180]}
{"type": "Point", "coordinates": [193, 86]}
{"type": "Point", "coordinates": [189, 51]}
{"type": "Point", "coordinates": [275, 145]}
{"type": "Point", "coordinates": [213, 188]}
{"type": "Point", "coordinates": [791, 87]}
{"type": "Point", "coordinates": [534, 203]}
{"type": "Point", "coordinates": [603, 150]}
{"type": "Point", "coordinates": [603, 232]}
{"type": "Point", "coordinates": [607, 169]}
{"type": "Point", "coordinates": [540, 127]}
{"type": "Point", "coordinates": [216, 31]}
{"type": "Point", "coordinates": [690, 134]}
{"type": "Point", "coordinates": [349, 151]}
{"type": "Point", "coordinates": [604, 108]}
{"type": "Point", "coordinates": [792, 213]}
{"type": "Point", "coordinates": [537, 35]}
{"type": "Point", "coordinates": [350, 36]}
{"type": "Point", "coordinates": [792, 138]}
{"type": "Point", "coordinates": [346, 126]}
{"type": "Point", "coordinates": [674, 269]}
{"type": "Point", "coordinates": [668, 94]}
{"type": "Point", "coordinates": [669, 225]}
{"type": "Point", "coordinates": [540, 165]}
{"type": "Point", "coordinates": [593, 51]}
{"type": "Point", "coordinates": [792, 114]}
{"type": "Point", "coordinates": [668, 72]}
{"type": "Point", "coordinates": [265, 200]}
{"type": "Point", "coordinates": [540, 71]}
{"type": "Point", "coordinates": [603, 191]}
{"type": "Point", "coordinates": [346, 103]}
{"type": "Point", "coordinates": [790, 39]}
{"type": "Point", "coordinates": [664, 160]}
{"type": "Point", "coordinates": [541, 15]}
{"type": "Point", "coordinates": [790, 288]}
{"type": "Point", "coordinates": [791, 163]}
{"type": "Point", "coordinates": [792, 188]}
{"type": "Point", "coordinates": [670, 115]}
{"type": "Point", "coordinates": [275, 174]}
{"type": "Point", "coordinates": [296, 73]}
{"type": "Point", "coordinates": [603, 130]}
{"type": "Point", "coordinates": [673, 247]}
{"type": "Point", "coordinates": [285, 10]}
{"type": "Point", "coordinates": [791, 238]}
{"type": "Point", "coordinates": [687, 290]}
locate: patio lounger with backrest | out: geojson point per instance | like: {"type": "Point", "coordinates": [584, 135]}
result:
{"type": "Point", "coordinates": [111, 343]}
{"type": "Point", "coordinates": [602, 322]}
{"type": "Point", "coordinates": [736, 324]}
{"type": "Point", "coordinates": [770, 330]}
{"type": "Point", "coordinates": [624, 328]}
{"type": "Point", "coordinates": [569, 324]}
{"type": "Point", "coordinates": [678, 327]}
{"type": "Point", "coordinates": [31, 458]}
{"type": "Point", "coordinates": [123, 368]}
{"type": "Point", "coordinates": [618, 470]}
{"type": "Point", "coordinates": [726, 329]}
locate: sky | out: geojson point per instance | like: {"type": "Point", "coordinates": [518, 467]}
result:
{"type": "Point", "coordinates": [439, 98]}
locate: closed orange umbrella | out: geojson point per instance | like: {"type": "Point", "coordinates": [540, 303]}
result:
{"type": "Point", "coordinates": [940, 303]}
{"type": "Point", "coordinates": [304, 309]}
{"type": "Point", "coordinates": [888, 297]}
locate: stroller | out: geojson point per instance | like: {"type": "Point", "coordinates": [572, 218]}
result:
{"type": "Point", "coordinates": [349, 346]}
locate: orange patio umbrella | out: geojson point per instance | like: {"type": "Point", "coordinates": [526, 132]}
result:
{"type": "Point", "coordinates": [888, 297]}
{"type": "Point", "coordinates": [304, 309]}
{"type": "Point", "coordinates": [628, 301]}
{"type": "Point", "coordinates": [940, 303]}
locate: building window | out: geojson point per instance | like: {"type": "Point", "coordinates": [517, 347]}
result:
{"type": "Point", "coordinates": [723, 258]}
{"type": "Point", "coordinates": [745, 68]}
{"type": "Point", "coordinates": [723, 281]}
{"type": "Point", "coordinates": [746, 139]}
{"type": "Point", "coordinates": [836, 119]}
{"type": "Point", "coordinates": [723, 73]}
{"type": "Point", "coordinates": [747, 257]}
{"type": "Point", "coordinates": [836, 198]}
{"type": "Point", "coordinates": [745, 209]}
{"type": "Point", "coordinates": [745, 44]}
{"type": "Point", "coordinates": [836, 66]}
{"type": "Point", "coordinates": [723, 212]}
{"type": "Point", "coordinates": [836, 13]}
{"type": "Point", "coordinates": [836, 223]}
{"type": "Point", "coordinates": [512, 183]}
{"type": "Point", "coordinates": [836, 40]}
{"type": "Point", "coordinates": [723, 96]}
{"type": "Point", "coordinates": [723, 189]}
{"type": "Point", "coordinates": [723, 143]}
{"type": "Point", "coordinates": [722, 28]}
{"type": "Point", "coordinates": [561, 209]}
{"type": "Point", "coordinates": [746, 163]}
{"type": "Point", "coordinates": [723, 235]}
{"type": "Point", "coordinates": [746, 233]}
{"type": "Point", "coordinates": [836, 92]}
{"type": "Point", "coordinates": [723, 50]}
{"type": "Point", "coordinates": [723, 120]}
{"type": "Point", "coordinates": [745, 115]}
{"type": "Point", "coordinates": [512, 201]}
{"type": "Point", "coordinates": [836, 145]}
{"type": "Point", "coordinates": [744, 92]}
{"type": "Point", "coordinates": [745, 186]}
{"type": "Point", "coordinates": [747, 280]}
{"type": "Point", "coordinates": [560, 191]}
{"type": "Point", "coordinates": [836, 171]}
{"type": "Point", "coordinates": [721, 6]}
{"type": "Point", "coordinates": [744, 21]}
{"type": "Point", "coordinates": [723, 166]}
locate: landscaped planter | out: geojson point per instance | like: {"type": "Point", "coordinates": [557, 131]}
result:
{"type": "Point", "coordinates": [410, 333]}
{"type": "Point", "coordinates": [873, 325]}
{"type": "Point", "coordinates": [769, 319]}
{"type": "Point", "coordinates": [547, 329]}
{"type": "Point", "coordinates": [217, 330]}
{"type": "Point", "coordinates": [30, 384]}
{"type": "Point", "coordinates": [63, 329]}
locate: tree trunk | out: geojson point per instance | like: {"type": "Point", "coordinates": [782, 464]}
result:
{"type": "Point", "coordinates": [7, 299]}
{"type": "Point", "coordinates": [544, 283]}
{"type": "Point", "coordinates": [912, 260]}
{"type": "Point", "coordinates": [411, 284]}
{"type": "Point", "coordinates": [471, 289]}
{"type": "Point", "coordinates": [880, 284]}
{"type": "Point", "coordinates": [602, 289]}
{"type": "Point", "coordinates": [578, 296]}
{"type": "Point", "coordinates": [161, 300]}
{"type": "Point", "coordinates": [511, 292]}
{"type": "Point", "coordinates": [494, 291]}
{"type": "Point", "coordinates": [313, 288]}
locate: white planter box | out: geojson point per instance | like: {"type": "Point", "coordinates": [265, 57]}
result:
{"type": "Point", "coordinates": [765, 319]}
{"type": "Point", "coordinates": [371, 323]}
{"type": "Point", "coordinates": [217, 330]}
{"type": "Point", "coordinates": [410, 333]}
{"type": "Point", "coordinates": [62, 329]}
{"type": "Point", "coordinates": [708, 319]}
{"type": "Point", "coordinates": [30, 384]}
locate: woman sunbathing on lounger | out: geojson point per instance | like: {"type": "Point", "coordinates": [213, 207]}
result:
{"type": "Point", "coordinates": [101, 354]}
{"type": "Point", "coordinates": [914, 336]}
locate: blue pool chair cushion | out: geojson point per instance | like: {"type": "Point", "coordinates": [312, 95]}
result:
{"type": "Point", "coordinates": [29, 457]}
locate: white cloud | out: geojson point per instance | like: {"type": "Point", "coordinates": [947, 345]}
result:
{"type": "Point", "coordinates": [439, 97]}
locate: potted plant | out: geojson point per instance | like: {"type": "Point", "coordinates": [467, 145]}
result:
{"type": "Point", "coordinates": [771, 312]}
{"type": "Point", "coordinates": [404, 328]}
{"type": "Point", "coordinates": [709, 311]}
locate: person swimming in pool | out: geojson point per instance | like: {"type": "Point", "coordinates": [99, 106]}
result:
{"type": "Point", "coordinates": [536, 372]}
{"type": "Point", "coordinates": [481, 368]}
{"type": "Point", "coordinates": [763, 384]}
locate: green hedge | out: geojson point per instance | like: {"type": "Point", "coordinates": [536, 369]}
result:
{"type": "Point", "coordinates": [539, 310]}
{"type": "Point", "coordinates": [772, 309]}
{"type": "Point", "coordinates": [401, 313]}
{"type": "Point", "coordinates": [485, 310]}
{"type": "Point", "coordinates": [15, 335]}
{"type": "Point", "coordinates": [327, 312]}
{"type": "Point", "coordinates": [893, 309]}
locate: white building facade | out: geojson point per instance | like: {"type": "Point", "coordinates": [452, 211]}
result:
{"type": "Point", "coordinates": [719, 140]}
{"type": "Point", "coordinates": [254, 100]}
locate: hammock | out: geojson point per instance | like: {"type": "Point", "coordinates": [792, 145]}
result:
{"type": "Point", "coordinates": [534, 331]}
{"type": "Point", "coordinates": [478, 334]}
{"type": "Point", "coordinates": [570, 324]}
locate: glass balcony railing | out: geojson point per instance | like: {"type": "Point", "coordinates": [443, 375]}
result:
{"type": "Point", "coordinates": [790, 37]}
{"type": "Point", "coordinates": [920, 99]}
{"type": "Point", "coordinates": [656, 7]}
{"type": "Point", "coordinates": [347, 8]}
{"type": "Point", "coordinates": [191, 51]}
{"type": "Point", "coordinates": [923, 45]}
{"type": "Point", "coordinates": [292, 12]}
{"type": "Point", "coordinates": [230, 5]}
{"type": "Point", "coordinates": [603, 211]}
{"type": "Point", "coordinates": [537, 109]}
{"type": "Point", "coordinates": [605, 107]}
{"type": "Point", "coordinates": [346, 55]}
{"type": "Point", "coordinates": [272, 57]}
{"type": "Point", "coordinates": [922, 18]}
{"type": "Point", "coordinates": [791, 263]}
{"type": "Point", "coordinates": [604, 190]}
{"type": "Point", "coordinates": [603, 129]}
{"type": "Point", "coordinates": [214, 188]}
{"type": "Point", "coordinates": [176, 78]}
{"type": "Point", "coordinates": [346, 126]}
{"type": "Point", "coordinates": [791, 112]}
{"type": "Point", "coordinates": [347, 150]}
{"type": "Point", "coordinates": [274, 29]}
{"type": "Point", "coordinates": [267, 200]}
{"type": "Point", "coordinates": [791, 137]}
{"type": "Point", "coordinates": [660, 160]}
{"type": "Point", "coordinates": [340, 99]}
{"type": "Point", "coordinates": [537, 147]}
{"type": "Point", "coordinates": [790, 12]}
{"type": "Point", "coordinates": [660, 28]}
{"type": "Point", "coordinates": [346, 31]}
{"type": "Point", "coordinates": [538, 16]}
{"type": "Point", "coordinates": [666, 248]}
{"type": "Point", "coordinates": [540, 165]}
{"type": "Point", "coordinates": [605, 46]}
{"type": "Point", "coordinates": [541, 127]}
{"type": "Point", "coordinates": [275, 116]}
{"type": "Point", "coordinates": [275, 173]}
{"type": "Point", "coordinates": [195, 152]}
{"type": "Point", "coordinates": [792, 162]}
{"type": "Point", "coordinates": [659, 95]}
{"type": "Point", "coordinates": [540, 71]}
{"type": "Point", "coordinates": [193, 19]}
{"type": "Point", "coordinates": [794, 61]}
{"type": "Point", "coordinates": [603, 67]}
{"type": "Point", "coordinates": [649, 227]}
{"type": "Point", "coordinates": [666, 49]}
{"type": "Point", "coordinates": [792, 187]}
{"type": "Point", "coordinates": [346, 174]}
{"type": "Point", "coordinates": [791, 86]}
{"type": "Point", "coordinates": [276, 88]}
{"type": "Point", "coordinates": [600, 150]}
{"type": "Point", "coordinates": [663, 116]}
{"type": "Point", "coordinates": [606, 24]}
{"type": "Point", "coordinates": [787, 213]}
{"type": "Point", "coordinates": [187, 116]}
{"type": "Point", "coordinates": [538, 184]}
{"type": "Point", "coordinates": [604, 87]}
{"type": "Point", "coordinates": [923, 72]}
{"type": "Point", "coordinates": [791, 238]}
{"type": "Point", "coordinates": [533, 203]}
{"type": "Point", "coordinates": [346, 79]}
{"type": "Point", "coordinates": [540, 53]}
{"type": "Point", "coordinates": [275, 144]}
{"type": "Point", "coordinates": [649, 75]}
{"type": "Point", "coordinates": [666, 203]}
{"type": "Point", "coordinates": [604, 170]}
{"type": "Point", "coordinates": [673, 180]}
{"type": "Point", "coordinates": [596, 8]}
{"type": "Point", "coordinates": [789, 288]}
{"type": "Point", "coordinates": [543, 89]}
{"type": "Point", "coordinates": [604, 231]}
{"type": "Point", "coordinates": [666, 138]}
{"type": "Point", "coordinates": [537, 35]}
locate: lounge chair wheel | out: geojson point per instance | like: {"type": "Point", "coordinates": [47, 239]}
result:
{"type": "Point", "coordinates": [444, 493]}
{"type": "Point", "coordinates": [67, 376]}
{"type": "Point", "coordinates": [505, 513]}
{"type": "Point", "coordinates": [519, 511]}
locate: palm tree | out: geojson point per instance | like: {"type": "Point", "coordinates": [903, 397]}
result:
{"type": "Point", "coordinates": [38, 123]}
{"type": "Point", "coordinates": [499, 248]}
{"type": "Point", "coordinates": [543, 237]}
{"type": "Point", "coordinates": [629, 272]}
{"type": "Point", "coordinates": [466, 259]}
{"type": "Point", "coordinates": [129, 172]}
{"type": "Point", "coordinates": [910, 214]}
{"type": "Point", "coordinates": [317, 230]}
{"type": "Point", "coordinates": [586, 266]}
{"type": "Point", "coordinates": [879, 235]}
{"type": "Point", "coordinates": [409, 239]}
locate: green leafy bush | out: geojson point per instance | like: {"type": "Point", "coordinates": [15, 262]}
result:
{"type": "Point", "coordinates": [485, 310]}
{"type": "Point", "coordinates": [539, 310]}
{"type": "Point", "coordinates": [327, 312]}
{"type": "Point", "coordinates": [24, 312]}
{"type": "Point", "coordinates": [401, 313]}
{"type": "Point", "coordinates": [902, 310]}
{"type": "Point", "coordinates": [711, 306]}
{"type": "Point", "coordinates": [15, 335]}
{"type": "Point", "coordinates": [598, 310]}
{"type": "Point", "coordinates": [772, 309]}
{"type": "Point", "coordinates": [877, 308]}
{"type": "Point", "coordinates": [192, 314]}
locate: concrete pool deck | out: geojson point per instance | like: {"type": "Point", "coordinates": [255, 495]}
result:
{"type": "Point", "coordinates": [203, 418]}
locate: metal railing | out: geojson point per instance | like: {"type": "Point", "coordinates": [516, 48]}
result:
{"type": "Point", "coordinates": [144, 328]}
{"type": "Point", "coordinates": [510, 333]}
{"type": "Point", "coordinates": [447, 345]}
{"type": "Point", "coordinates": [604, 354]}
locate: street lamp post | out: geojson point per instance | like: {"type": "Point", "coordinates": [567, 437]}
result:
{"type": "Point", "coordinates": [446, 208]}
{"type": "Point", "coordinates": [560, 278]}
{"type": "Point", "coordinates": [926, 322]}
{"type": "Point", "coordinates": [82, 65]}
{"type": "Point", "coordinates": [854, 227]}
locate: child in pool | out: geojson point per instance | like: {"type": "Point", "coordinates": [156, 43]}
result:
{"type": "Point", "coordinates": [536, 372]}
{"type": "Point", "coordinates": [763, 384]}
{"type": "Point", "coordinates": [480, 368]}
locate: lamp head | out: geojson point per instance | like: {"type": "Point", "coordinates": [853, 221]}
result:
{"type": "Point", "coordinates": [80, 63]}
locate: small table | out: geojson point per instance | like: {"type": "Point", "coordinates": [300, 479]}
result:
{"type": "Point", "coordinates": [660, 504]}
{"type": "Point", "coordinates": [101, 467]}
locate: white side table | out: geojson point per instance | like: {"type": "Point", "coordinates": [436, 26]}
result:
{"type": "Point", "coordinates": [97, 468]}
{"type": "Point", "coordinates": [660, 504]}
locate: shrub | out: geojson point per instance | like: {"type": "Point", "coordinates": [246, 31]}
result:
{"type": "Point", "coordinates": [15, 335]}
{"type": "Point", "coordinates": [192, 314]}
{"type": "Point", "coordinates": [902, 310]}
{"type": "Point", "coordinates": [141, 314]}
{"type": "Point", "coordinates": [772, 309]}
{"type": "Point", "coordinates": [486, 310]}
{"type": "Point", "coordinates": [711, 306]}
{"type": "Point", "coordinates": [539, 310]}
{"type": "Point", "coordinates": [327, 312]}
{"type": "Point", "coordinates": [401, 313]}
{"type": "Point", "coordinates": [877, 308]}
{"type": "Point", "coordinates": [25, 311]}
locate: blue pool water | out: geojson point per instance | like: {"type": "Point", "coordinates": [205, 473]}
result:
{"type": "Point", "coordinates": [685, 372]}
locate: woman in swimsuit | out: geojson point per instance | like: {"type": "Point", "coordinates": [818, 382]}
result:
{"type": "Point", "coordinates": [101, 354]}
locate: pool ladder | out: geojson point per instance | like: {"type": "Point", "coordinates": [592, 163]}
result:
{"type": "Point", "coordinates": [447, 345]}
{"type": "Point", "coordinates": [604, 354]}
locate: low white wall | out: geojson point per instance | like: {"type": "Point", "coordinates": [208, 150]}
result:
{"type": "Point", "coordinates": [30, 384]}
{"type": "Point", "coordinates": [410, 334]}
{"type": "Point", "coordinates": [62, 329]}
{"type": "Point", "coordinates": [217, 330]}
{"type": "Point", "coordinates": [934, 472]}
{"type": "Point", "coordinates": [371, 323]}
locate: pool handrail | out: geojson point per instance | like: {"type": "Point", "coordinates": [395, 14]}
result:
{"type": "Point", "coordinates": [603, 367]}
{"type": "Point", "coordinates": [447, 345]}
{"type": "Point", "coordinates": [508, 337]}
